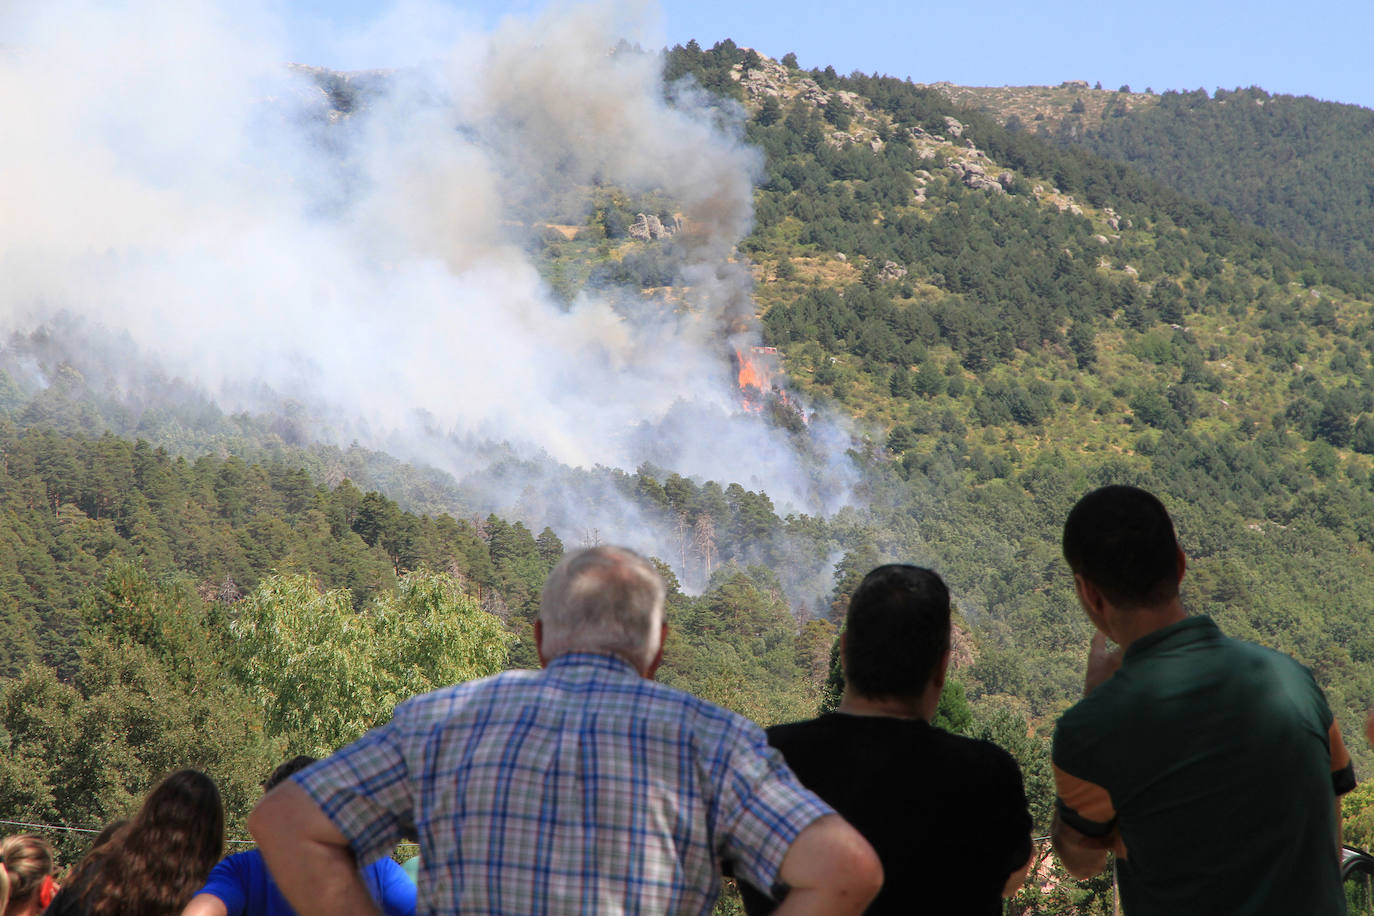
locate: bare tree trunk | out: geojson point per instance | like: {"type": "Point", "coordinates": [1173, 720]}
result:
{"type": "Point", "coordinates": [682, 531]}
{"type": "Point", "coordinates": [705, 543]}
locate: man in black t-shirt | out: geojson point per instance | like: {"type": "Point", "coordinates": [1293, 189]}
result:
{"type": "Point", "coordinates": [946, 814]}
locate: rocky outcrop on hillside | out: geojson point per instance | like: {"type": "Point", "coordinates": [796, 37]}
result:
{"type": "Point", "coordinates": [963, 649]}
{"type": "Point", "coordinates": [771, 79]}
{"type": "Point", "coordinates": [339, 93]}
{"type": "Point", "coordinates": [1114, 221]}
{"type": "Point", "coordinates": [1071, 107]}
{"type": "Point", "coordinates": [954, 145]}
{"type": "Point", "coordinates": [975, 176]}
{"type": "Point", "coordinates": [891, 271]}
{"type": "Point", "coordinates": [649, 226]}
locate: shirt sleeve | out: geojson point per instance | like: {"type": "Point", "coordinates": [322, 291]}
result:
{"type": "Point", "coordinates": [1084, 805]}
{"type": "Point", "coordinates": [1012, 820]}
{"type": "Point", "coordinates": [762, 809]}
{"type": "Point", "coordinates": [1342, 769]}
{"type": "Point", "coordinates": [364, 790]}
{"type": "Point", "coordinates": [226, 883]}
{"type": "Point", "coordinates": [392, 888]}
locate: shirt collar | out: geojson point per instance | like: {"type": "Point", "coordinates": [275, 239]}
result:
{"type": "Point", "coordinates": [1186, 631]}
{"type": "Point", "coordinates": [608, 661]}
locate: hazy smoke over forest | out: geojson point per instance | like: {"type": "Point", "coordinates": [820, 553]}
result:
{"type": "Point", "coordinates": [168, 178]}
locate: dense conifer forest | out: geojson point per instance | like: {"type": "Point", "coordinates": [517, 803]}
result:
{"type": "Point", "coordinates": [1009, 322]}
{"type": "Point", "coordinates": [1296, 166]}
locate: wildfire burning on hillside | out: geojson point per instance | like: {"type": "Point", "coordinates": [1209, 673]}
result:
{"type": "Point", "coordinates": [758, 374]}
{"type": "Point", "coordinates": [755, 368]}
{"type": "Point", "coordinates": [240, 224]}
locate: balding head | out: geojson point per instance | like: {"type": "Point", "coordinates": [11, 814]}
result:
{"type": "Point", "coordinates": [603, 599]}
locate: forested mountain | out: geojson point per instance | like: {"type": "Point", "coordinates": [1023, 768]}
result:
{"type": "Point", "coordinates": [1008, 322]}
{"type": "Point", "coordinates": [1300, 167]}
{"type": "Point", "coordinates": [1297, 166]}
{"type": "Point", "coordinates": [1073, 325]}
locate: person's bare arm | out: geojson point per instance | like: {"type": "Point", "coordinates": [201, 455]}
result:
{"type": "Point", "coordinates": [205, 905]}
{"type": "Point", "coordinates": [829, 869]}
{"type": "Point", "coordinates": [1018, 877]}
{"type": "Point", "coordinates": [1083, 856]}
{"type": "Point", "coordinates": [307, 855]}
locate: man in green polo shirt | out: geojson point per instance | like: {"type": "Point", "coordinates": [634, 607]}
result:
{"type": "Point", "coordinates": [1209, 765]}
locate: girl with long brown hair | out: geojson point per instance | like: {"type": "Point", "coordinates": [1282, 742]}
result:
{"type": "Point", "coordinates": [154, 864]}
{"type": "Point", "coordinates": [26, 868]}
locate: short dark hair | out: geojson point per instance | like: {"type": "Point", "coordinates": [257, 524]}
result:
{"type": "Point", "coordinates": [896, 630]}
{"type": "Point", "coordinates": [283, 772]}
{"type": "Point", "coordinates": [1121, 539]}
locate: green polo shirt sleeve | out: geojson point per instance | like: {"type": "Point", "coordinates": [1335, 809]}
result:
{"type": "Point", "coordinates": [1083, 805]}
{"type": "Point", "coordinates": [1080, 742]}
{"type": "Point", "coordinates": [1342, 770]}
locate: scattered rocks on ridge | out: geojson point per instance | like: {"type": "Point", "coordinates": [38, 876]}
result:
{"type": "Point", "coordinates": [953, 146]}
{"type": "Point", "coordinates": [771, 79]}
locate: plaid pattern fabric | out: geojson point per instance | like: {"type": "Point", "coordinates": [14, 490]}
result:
{"type": "Point", "coordinates": [579, 788]}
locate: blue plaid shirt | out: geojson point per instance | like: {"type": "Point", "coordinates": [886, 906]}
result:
{"type": "Point", "coordinates": [579, 788]}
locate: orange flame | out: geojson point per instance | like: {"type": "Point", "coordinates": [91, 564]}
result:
{"type": "Point", "coordinates": [748, 375]}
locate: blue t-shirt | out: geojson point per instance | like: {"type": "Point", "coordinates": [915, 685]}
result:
{"type": "Point", "coordinates": [242, 882]}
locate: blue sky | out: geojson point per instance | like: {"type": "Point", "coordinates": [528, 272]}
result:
{"type": "Point", "coordinates": [1320, 51]}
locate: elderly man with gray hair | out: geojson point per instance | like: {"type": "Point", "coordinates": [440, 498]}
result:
{"type": "Point", "coordinates": [581, 788]}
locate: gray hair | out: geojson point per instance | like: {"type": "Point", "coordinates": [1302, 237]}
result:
{"type": "Point", "coordinates": [603, 599]}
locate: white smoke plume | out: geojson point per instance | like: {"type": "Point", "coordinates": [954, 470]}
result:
{"type": "Point", "coordinates": [167, 177]}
